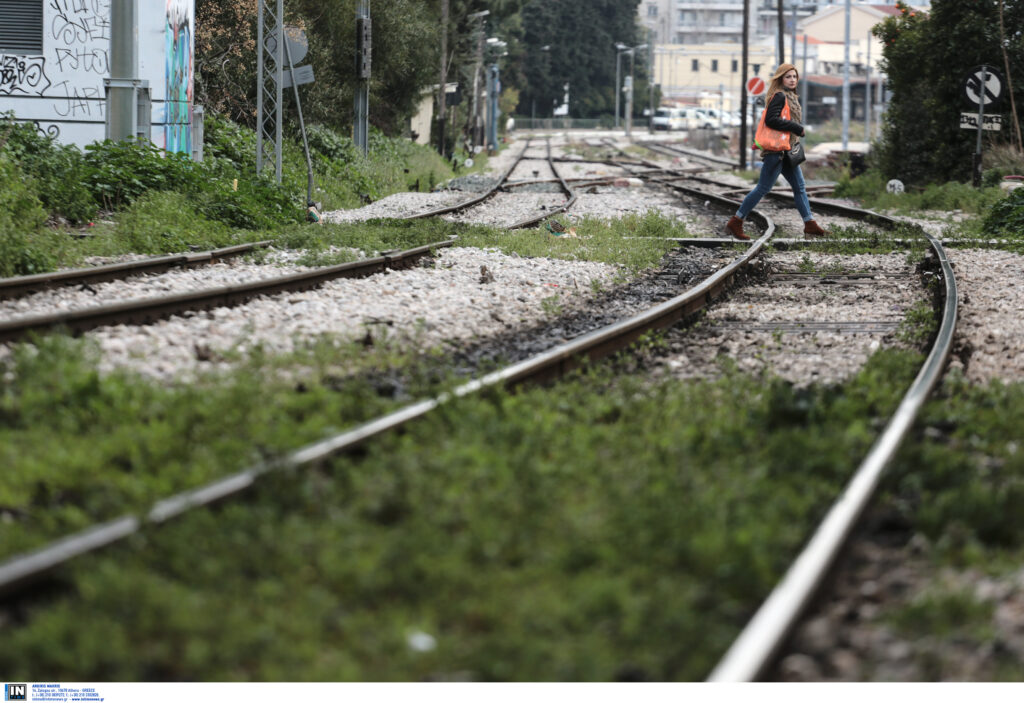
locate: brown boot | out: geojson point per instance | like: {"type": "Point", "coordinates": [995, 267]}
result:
{"type": "Point", "coordinates": [811, 229]}
{"type": "Point", "coordinates": [735, 228]}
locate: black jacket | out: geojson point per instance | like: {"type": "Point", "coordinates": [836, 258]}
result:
{"type": "Point", "coordinates": [773, 116]}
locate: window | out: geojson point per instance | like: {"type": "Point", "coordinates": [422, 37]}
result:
{"type": "Point", "coordinates": [714, 65]}
{"type": "Point", "coordinates": [735, 65]}
{"type": "Point", "coordinates": [21, 27]}
{"type": "Point", "coordinates": [694, 66]}
{"type": "Point", "coordinates": [652, 10]}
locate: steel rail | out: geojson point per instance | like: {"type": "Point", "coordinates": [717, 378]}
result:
{"type": "Point", "coordinates": [151, 309]}
{"type": "Point", "coordinates": [693, 153]}
{"type": "Point", "coordinates": [21, 570]}
{"type": "Point", "coordinates": [479, 199]}
{"type": "Point", "coordinates": [531, 221]}
{"type": "Point", "coordinates": [766, 632]}
{"type": "Point", "coordinates": [18, 286]}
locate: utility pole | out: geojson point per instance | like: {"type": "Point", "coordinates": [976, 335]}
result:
{"type": "Point", "coordinates": [442, 97]}
{"type": "Point", "coordinates": [803, 76]}
{"type": "Point", "coordinates": [867, 96]}
{"type": "Point", "coordinates": [782, 42]}
{"type": "Point", "coordinates": [629, 95]}
{"type": "Point", "coordinates": [743, 86]}
{"type": "Point", "coordinates": [619, 48]}
{"type": "Point", "coordinates": [846, 82]}
{"type": "Point", "coordinates": [792, 39]}
{"type": "Point", "coordinates": [363, 55]}
{"type": "Point", "coordinates": [124, 61]}
{"type": "Point", "coordinates": [650, 80]}
{"type": "Point", "coordinates": [476, 137]}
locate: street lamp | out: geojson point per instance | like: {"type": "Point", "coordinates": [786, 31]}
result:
{"type": "Point", "coordinates": [629, 95]}
{"type": "Point", "coordinates": [477, 131]}
{"type": "Point", "coordinates": [493, 89]}
{"type": "Point", "coordinates": [620, 47]}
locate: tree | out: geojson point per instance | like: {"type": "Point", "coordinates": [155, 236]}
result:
{"type": "Point", "coordinates": [580, 38]}
{"type": "Point", "coordinates": [926, 58]}
{"type": "Point", "coordinates": [404, 53]}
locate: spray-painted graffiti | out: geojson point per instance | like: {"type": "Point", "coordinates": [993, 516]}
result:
{"type": "Point", "coordinates": [23, 75]}
{"type": "Point", "coordinates": [80, 21]}
{"type": "Point", "coordinates": [81, 45]}
{"type": "Point", "coordinates": [88, 60]}
{"type": "Point", "coordinates": [177, 123]}
{"type": "Point", "coordinates": [78, 100]}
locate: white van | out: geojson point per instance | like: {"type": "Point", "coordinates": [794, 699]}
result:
{"type": "Point", "coordinates": [668, 118]}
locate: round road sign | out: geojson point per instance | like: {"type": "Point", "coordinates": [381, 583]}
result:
{"type": "Point", "coordinates": [993, 88]}
{"type": "Point", "coordinates": [755, 86]}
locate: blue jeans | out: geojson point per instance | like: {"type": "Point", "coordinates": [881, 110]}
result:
{"type": "Point", "coordinates": [771, 168]}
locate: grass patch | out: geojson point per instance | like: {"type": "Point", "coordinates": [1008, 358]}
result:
{"type": "Point", "coordinates": [600, 529]}
{"type": "Point", "coordinates": [861, 239]}
{"type": "Point", "coordinates": [78, 447]}
{"type": "Point", "coordinates": [945, 614]}
{"type": "Point", "coordinates": [967, 500]}
{"type": "Point", "coordinates": [869, 190]}
{"type": "Point", "coordinates": [597, 240]}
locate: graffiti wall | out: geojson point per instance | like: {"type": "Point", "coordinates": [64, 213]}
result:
{"type": "Point", "coordinates": [178, 57]}
{"type": "Point", "coordinates": [61, 91]}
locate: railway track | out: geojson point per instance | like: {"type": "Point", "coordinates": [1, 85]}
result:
{"type": "Point", "coordinates": [754, 649]}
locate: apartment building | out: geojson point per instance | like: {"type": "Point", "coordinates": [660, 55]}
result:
{"type": "Point", "coordinates": [721, 21]}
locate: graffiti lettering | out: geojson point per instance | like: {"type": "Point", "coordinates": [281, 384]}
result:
{"type": "Point", "coordinates": [74, 22]}
{"type": "Point", "coordinates": [78, 100]}
{"type": "Point", "coordinates": [22, 75]}
{"type": "Point", "coordinates": [91, 60]}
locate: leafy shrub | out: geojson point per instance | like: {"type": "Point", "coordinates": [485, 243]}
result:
{"type": "Point", "coordinates": [23, 246]}
{"type": "Point", "coordinates": [869, 190]}
{"type": "Point", "coordinates": [119, 172]}
{"type": "Point", "coordinates": [160, 222]}
{"type": "Point", "coordinates": [57, 172]}
{"type": "Point", "coordinates": [1006, 217]}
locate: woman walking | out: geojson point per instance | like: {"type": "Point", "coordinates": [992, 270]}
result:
{"type": "Point", "coordinates": [781, 92]}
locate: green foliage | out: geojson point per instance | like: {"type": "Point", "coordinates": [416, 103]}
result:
{"type": "Point", "coordinates": [597, 240]}
{"type": "Point", "coordinates": [942, 614]}
{"type": "Point", "coordinates": [163, 222]}
{"type": "Point", "coordinates": [1006, 218]}
{"type": "Point", "coordinates": [869, 190]}
{"type": "Point", "coordinates": [969, 438]}
{"type": "Point", "coordinates": [23, 244]}
{"type": "Point", "coordinates": [119, 172]}
{"type": "Point", "coordinates": [925, 58]}
{"type": "Point", "coordinates": [78, 446]}
{"type": "Point", "coordinates": [581, 37]}
{"type": "Point", "coordinates": [57, 172]}
{"type": "Point", "coordinates": [606, 528]}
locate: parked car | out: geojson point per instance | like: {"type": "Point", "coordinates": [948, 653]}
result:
{"type": "Point", "coordinates": [721, 118]}
{"type": "Point", "coordinates": [668, 118]}
{"type": "Point", "coordinates": [696, 118]}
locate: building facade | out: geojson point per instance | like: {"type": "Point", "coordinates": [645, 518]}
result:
{"type": "Point", "coordinates": [55, 55]}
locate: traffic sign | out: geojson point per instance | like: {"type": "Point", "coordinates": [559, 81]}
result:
{"type": "Point", "coordinates": [969, 120]}
{"type": "Point", "coordinates": [993, 88]}
{"type": "Point", "coordinates": [298, 45]}
{"type": "Point", "coordinates": [755, 86]}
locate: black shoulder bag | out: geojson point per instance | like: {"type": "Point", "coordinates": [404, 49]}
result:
{"type": "Point", "coordinates": [796, 155]}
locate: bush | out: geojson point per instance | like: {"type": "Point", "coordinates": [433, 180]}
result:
{"type": "Point", "coordinates": [23, 246]}
{"type": "Point", "coordinates": [57, 172]}
{"type": "Point", "coordinates": [120, 172]}
{"type": "Point", "coordinates": [160, 222]}
{"type": "Point", "coordinates": [1006, 217]}
{"type": "Point", "coordinates": [869, 190]}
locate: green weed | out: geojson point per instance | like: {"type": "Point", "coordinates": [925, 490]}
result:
{"type": "Point", "coordinates": [605, 528]}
